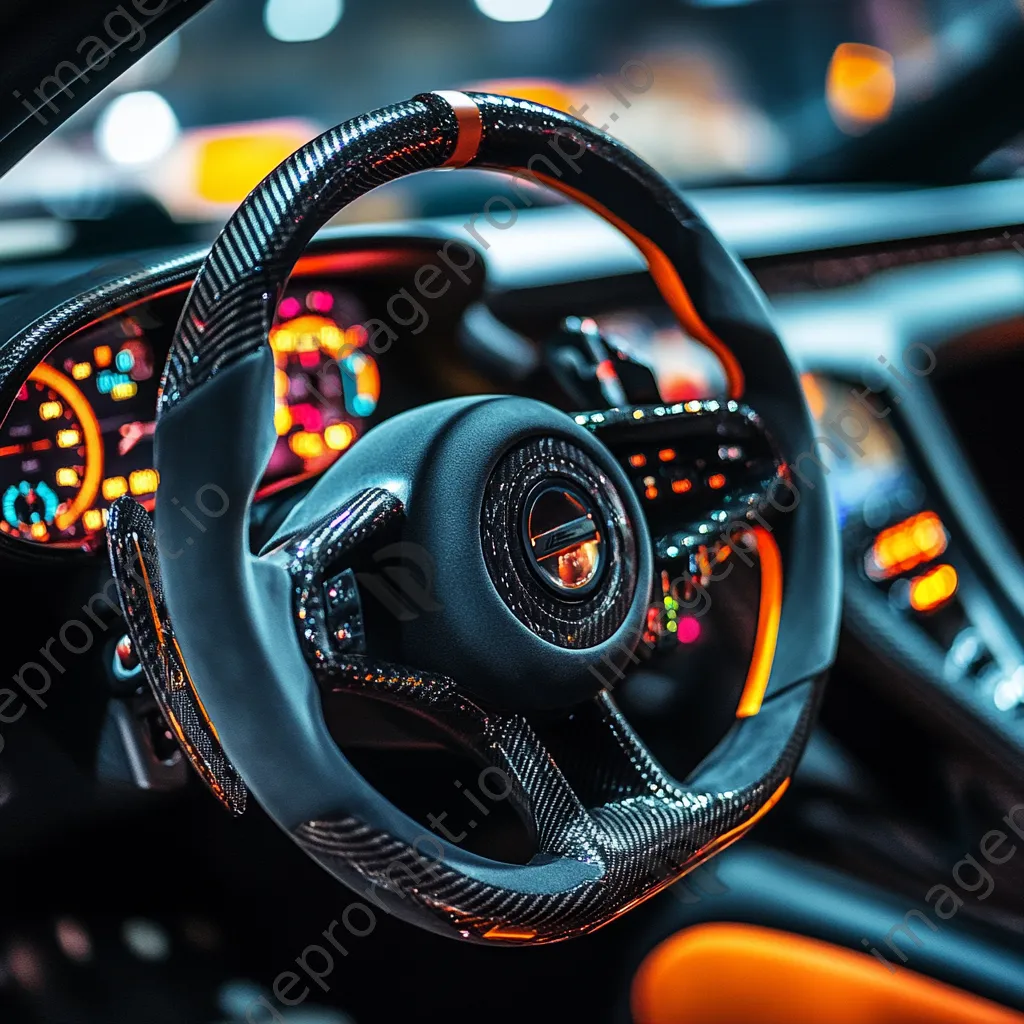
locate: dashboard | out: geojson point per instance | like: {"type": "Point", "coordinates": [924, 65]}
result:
{"type": "Point", "coordinates": [933, 581]}
{"type": "Point", "coordinates": [80, 432]}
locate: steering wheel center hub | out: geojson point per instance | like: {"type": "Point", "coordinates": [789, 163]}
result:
{"type": "Point", "coordinates": [563, 538]}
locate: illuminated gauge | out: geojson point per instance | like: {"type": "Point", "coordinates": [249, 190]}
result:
{"type": "Point", "coordinates": [324, 387]}
{"type": "Point", "coordinates": [51, 461]}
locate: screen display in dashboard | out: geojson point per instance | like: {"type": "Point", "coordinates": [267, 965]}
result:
{"type": "Point", "coordinates": [80, 432]}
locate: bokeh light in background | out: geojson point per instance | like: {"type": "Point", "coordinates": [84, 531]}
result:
{"type": "Point", "coordinates": [514, 10]}
{"type": "Point", "coordinates": [137, 128]}
{"type": "Point", "coordinates": [860, 86]}
{"type": "Point", "coordinates": [752, 91]}
{"type": "Point", "coordinates": [302, 21]}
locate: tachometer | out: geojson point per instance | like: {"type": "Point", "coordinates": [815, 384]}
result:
{"type": "Point", "coordinates": [325, 386]}
{"type": "Point", "coordinates": [51, 460]}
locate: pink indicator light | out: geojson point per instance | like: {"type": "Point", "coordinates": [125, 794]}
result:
{"type": "Point", "coordinates": [320, 302]}
{"type": "Point", "coordinates": [688, 630]}
{"type": "Point", "coordinates": [289, 308]}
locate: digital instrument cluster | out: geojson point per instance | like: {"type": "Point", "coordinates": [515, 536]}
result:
{"type": "Point", "coordinates": [80, 432]}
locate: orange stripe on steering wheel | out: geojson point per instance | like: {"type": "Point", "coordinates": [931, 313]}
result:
{"type": "Point", "coordinates": [769, 613]}
{"type": "Point", "coordinates": [471, 127]}
{"type": "Point", "coordinates": [669, 283]}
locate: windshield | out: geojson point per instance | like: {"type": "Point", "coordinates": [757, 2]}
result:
{"type": "Point", "coordinates": [708, 91]}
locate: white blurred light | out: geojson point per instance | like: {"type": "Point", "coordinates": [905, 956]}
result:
{"type": "Point", "coordinates": [136, 128]}
{"type": "Point", "coordinates": [301, 21]}
{"type": "Point", "coordinates": [514, 10]}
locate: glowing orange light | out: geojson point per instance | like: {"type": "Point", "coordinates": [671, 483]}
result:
{"type": "Point", "coordinates": [114, 487]}
{"type": "Point", "coordinates": [49, 377]}
{"type": "Point", "coordinates": [681, 486]}
{"type": "Point", "coordinates": [860, 86]}
{"type": "Point", "coordinates": [309, 334]}
{"type": "Point", "coordinates": [814, 394]}
{"type": "Point", "coordinates": [93, 519]}
{"type": "Point", "coordinates": [638, 461]}
{"type": "Point", "coordinates": [39, 531]}
{"type": "Point", "coordinates": [68, 438]}
{"type": "Point", "coordinates": [933, 589]}
{"type": "Point", "coordinates": [50, 410]}
{"type": "Point", "coordinates": [667, 454]}
{"type": "Point", "coordinates": [650, 492]}
{"type": "Point", "coordinates": [338, 436]}
{"type": "Point", "coordinates": [67, 477]}
{"type": "Point", "coordinates": [282, 420]}
{"type": "Point", "coordinates": [768, 617]}
{"type": "Point", "coordinates": [144, 481]}
{"type": "Point", "coordinates": [716, 481]}
{"type": "Point", "coordinates": [81, 371]}
{"type": "Point", "coordinates": [306, 445]}
{"type": "Point", "coordinates": [102, 356]}
{"type": "Point", "coordinates": [906, 545]}
{"type": "Point", "coordinates": [280, 384]}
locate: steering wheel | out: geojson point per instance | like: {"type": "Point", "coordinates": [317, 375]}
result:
{"type": "Point", "coordinates": [544, 560]}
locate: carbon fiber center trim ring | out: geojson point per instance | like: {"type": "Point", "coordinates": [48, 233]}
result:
{"type": "Point", "coordinates": [572, 620]}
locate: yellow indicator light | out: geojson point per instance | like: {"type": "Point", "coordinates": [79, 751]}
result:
{"type": "Point", "coordinates": [39, 531]}
{"type": "Point", "coordinates": [933, 589]}
{"type": "Point", "coordinates": [144, 481]}
{"type": "Point", "coordinates": [906, 545]}
{"type": "Point", "coordinates": [102, 356]}
{"type": "Point", "coordinates": [67, 477]}
{"type": "Point", "coordinates": [122, 392]}
{"type": "Point", "coordinates": [282, 420]}
{"type": "Point", "coordinates": [114, 487]}
{"type": "Point", "coordinates": [280, 383]}
{"type": "Point", "coordinates": [338, 436]}
{"type": "Point", "coordinates": [68, 438]}
{"type": "Point", "coordinates": [51, 410]}
{"type": "Point", "coordinates": [860, 86]}
{"type": "Point", "coordinates": [306, 444]}
{"type": "Point", "coordinates": [93, 519]}
{"type": "Point", "coordinates": [81, 371]}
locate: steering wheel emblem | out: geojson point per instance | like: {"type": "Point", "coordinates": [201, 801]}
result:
{"type": "Point", "coordinates": [564, 545]}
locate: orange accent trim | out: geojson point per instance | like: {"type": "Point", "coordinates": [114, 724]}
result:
{"type": "Point", "coordinates": [471, 127]}
{"type": "Point", "coordinates": [730, 837]}
{"type": "Point", "coordinates": [668, 281]}
{"type": "Point", "coordinates": [149, 594]}
{"type": "Point", "coordinates": [789, 979]}
{"type": "Point", "coordinates": [510, 934]}
{"type": "Point", "coordinates": [703, 854]}
{"type": "Point", "coordinates": [768, 616]}
{"type": "Point", "coordinates": [49, 377]}
{"type": "Point", "coordinates": [174, 640]}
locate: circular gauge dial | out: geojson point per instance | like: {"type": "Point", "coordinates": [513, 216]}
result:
{"type": "Point", "coordinates": [325, 388]}
{"type": "Point", "coordinates": [51, 459]}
